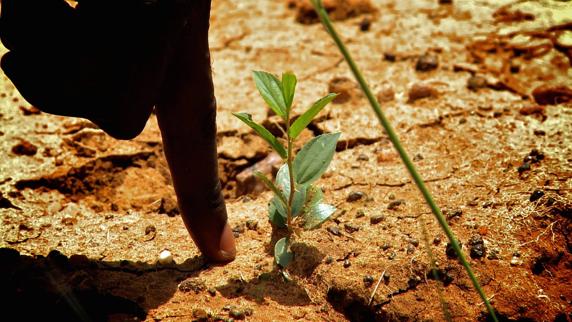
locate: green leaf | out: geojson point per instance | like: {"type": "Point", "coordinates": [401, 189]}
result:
{"type": "Point", "coordinates": [270, 88]}
{"type": "Point", "coordinates": [288, 89]}
{"type": "Point", "coordinates": [282, 253]}
{"type": "Point", "coordinates": [314, 158]}
{"type": "Point", "coordinates": [276, 218]}
{"type": "Point", "coordinates": [283, 183]}
{"type": "Point", "coordinates": [271, 186]}
{"type": "Point", "coordinates": [263, 132]}
{"type": "Point", "coordinates": [305, 119]}
{"type": "Point", "coordinates": [316, 212]}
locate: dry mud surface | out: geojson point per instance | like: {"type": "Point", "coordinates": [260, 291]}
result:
{"type": "Point", "coordinates": [478, 91]}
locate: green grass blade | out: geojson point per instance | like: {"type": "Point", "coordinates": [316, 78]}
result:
{"type": "Point", "coordinates": [323, 15]}
{"type": "Point", "coordinates": [263, 132]}
{"type": "Point", "coordinates": [305, 119]}
{"type": "Point", "coordinates": [270, 89]}
{"type": "Point", "coordinates": [288, 89]}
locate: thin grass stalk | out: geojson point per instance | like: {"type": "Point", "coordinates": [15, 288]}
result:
{"type": "Point", "coordinates": [324, 18]}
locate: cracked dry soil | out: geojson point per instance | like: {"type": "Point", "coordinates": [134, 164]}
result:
{"type": "Point", "coordinates": [479, 93]}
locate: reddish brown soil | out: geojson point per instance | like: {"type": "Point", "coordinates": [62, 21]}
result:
{"type": "Point", "coordinates": [479, 93]}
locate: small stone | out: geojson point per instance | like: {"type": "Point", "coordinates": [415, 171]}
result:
{"type": "Point", "coordinates": [24, 148]}
{"type": "Point", "coordinates": [450, 251]}
{"type": "Point", "coordinates": [524, 167]}
{"type": "Point", "coordinates": [165, 257]}
{"type": "Point", "coordinates": [237, 230]}
{"type": "Point", "coordinates": [475, 83]}
{"type": "Point", "coordinates": [538, 132]}
{"type": "Point", "coordinates": [395, 204]}
{"type": "Point", "coordinates": [436, 240]}
{"type": "Point", "coordinates": [386, 94]}
{"type": "Point", "coordinates": [376, 219]}
{"type": "Point", "coordinates": [516, 261]}
{"type": "Point", "coordinates": [363, 157]}
{"type": "Point", "coordinates": [329, 260]}
{"type": "Point", "coordinates": [350, 228]}
{"type": "Point", "coordinates": [252, 224]}
{"type": "Point", "coordinates": [392, 256]}
{"type": "Point", "coordinates": [418, 157]}
{"type": "Point", "coordinates": [493, 254]}
{"type": "Point", "coordinates": [365, 24]}
{"type": "Point", "coordinates": [445, 1]}
{"type": "Point", "coordinates": [192, 284]}
{"type": "Point", "coordinates": [368, 280]}
{"type": "Point", "coordinates": [212, 291]}
{"type": "Point", "coordinates": [536, 194]}
{"type": "Point", "coordinates": [390, 57]}
{"type": "Point", "coordinates": [344, 87]}
{"type": "Point", "coordinates": [200, 314]}
{"type": "Point", "coordinates": [150, 229]}
{"type": "Point", "coordinates": [347, 263]}
{"type": "Point", "coordinates": [477, 246]}
{"type": "Point", "coordinates": [386, 277]}
{"type": "Point", "coordinates": [334, 230]}
{"type": "Point", "coordinates": [355, 196]}
{"type": "Point", "coordinates": [385, 246]}
{"type": "Point", "coordinates": [360, 213]}
{"type": "Point", "coordinates": [452, 213]}
{"type": "Point", "coordinates": [427, 63]}
{"type": "Point", "coordinates": [414, 242]}
{"type": "Point", "coordinates": [237, 314]}
{"type": "Point", "coordinates": [248, 311]}
{"type": "Point", "coordinates": [410, 249]}
{"type": "Point", "coordinates": [419, 91]}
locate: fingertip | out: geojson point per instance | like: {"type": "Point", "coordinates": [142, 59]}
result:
{"type": "Point", "coordinates": [227, 246]}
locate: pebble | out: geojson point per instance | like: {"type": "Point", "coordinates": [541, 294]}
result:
{"type": "Point", "coordinates": [410, 249]}
{"type": "Point", "coordinates": [360, 213]}
{"type": "Point", "coordinates": [395, 204]}
{"type": "Point", "coordinates": [450, 251]}
{"type": "Point", "coordinates": [344, 87]}
{"type": "Point", "coordinates": [390, 57]}
{"type": "Point", "coordinates": [365, 24]}
{"type": "Point", "coordinates": [334, 230]}
{"type": "Point", "coordinates": [329, 260]}
{"type": "Point", "coordinates": [436, 240]}
{"type": "Point", "coordinates": [237, 314]}
{"type": "Point", "coordinates": [392, 256]}
{"type": "Point", "coordinates": [347, 263]}
{"type": "Point", "coordinates": [536, 194]}
{"type": "Point", "coordinates": [355, 196]}
{"type": "Point", "coordinates": [24, 148]}
{"type": "Point", "coordinates": [426, 62]}
{"type": "Point", "coordinates": [363, 157]}
{"type": "Point", "coordinates": [493, 254]}
{"type": "Point", "coordinates": [150, 229]}
{"type": "Point", "coordinates": [192, 284]}
{"type": "Point", "coordinates": [453, 213]}
{"type": "Point", "coordinates": [524, 167]}
{"type": "Point", "coordinates": [252, 224]}
{"type": "Point", "coordinates": [386, 94]}
{"type": "Point", "coordinates": [368, 280]}
{"type": "Point", "coordinates": [475, 83]}
{"type": "Point", "coordinates": [385, 246]}
{"type": "Point", "coordinates": [350, 228]}
{"type": "Point", "coordinates": [212, 291]}
{"type": "Point", "coordinates": [516, 261]}
{"type": "Point", "coordinates": [477, 246]}
{"type": "Point", "coordinates": [376, 219]}
{"type": "Point", "coordinates": [420, 90]}
{"type": "Point", "coordinates": [165, 257]}
{"type": "Point", "coordinates": [414, 242]}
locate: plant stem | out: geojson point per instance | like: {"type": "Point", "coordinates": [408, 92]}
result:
{"type": "Point", "coordinates": [291, 174]}
{"type": "Point", "coordinates": [318, 6]}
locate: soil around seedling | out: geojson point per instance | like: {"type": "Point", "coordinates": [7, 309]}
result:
{"type": "Point", "coordinates": [479, 93]}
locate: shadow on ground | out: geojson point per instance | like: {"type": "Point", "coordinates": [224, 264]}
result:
{"type": "Point", "coordinates": [58, 288]}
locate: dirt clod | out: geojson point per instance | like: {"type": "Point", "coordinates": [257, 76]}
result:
{"type": "Point", "coordinates": [450, 251]}
{"type": "Point", "coordinates": [535, 195]}
{"type": "Point", "coordinates": [338, 9]}
{"type": "Point", "coordinates": [394, 205]}
{"type": "Point", "coordinates": [386, 94]}
{"type": "Point", "coordinates": [368, 280]}
{"type": "Point", "coordinates": [552, 95]}
{"type": "Point", "coordinates": [248, 183]}
{"type": "Point", "coordinates": [390, 57]}
{"type": "Point", "coordinates": [347, 263]}
{"type": "Point", "coordinates": [365, 24]}
{"type": "Point", "coordinates": [252, 224]}
{"type": "Point", "coordinates": [200, 314]}
{"type": "Point", "coordinates": [192, 284]}
{"type": "Point", "coordinates": [427, 62]}
{"type": "Point", "coordinates": [477, 246]}
{"type": "Point", "coordinates": [475, 83]}
{"type": "Point", "coordinates": [334, 230]}
{"type": "Point", "coordinates": [355, 196]}
{"type": "Point", "coordinates": [376, 219]}
{"type": "Point", "coordinates": [350, 228]}
{"type": "Point", "coordinates": [237, 314]}
{"type": "Point", "coordinates": [419, 91]}
{"type": "Point", "coordinates": [24, 148]}
{"type": "Point", "coordinates": [32, 110]}
{"type": "Point", "coordinates": [344, 87]}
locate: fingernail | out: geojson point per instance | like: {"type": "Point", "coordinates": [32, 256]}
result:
{"type": "Point", "coordinates": [227, 245]}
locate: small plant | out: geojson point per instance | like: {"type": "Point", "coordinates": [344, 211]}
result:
{"type": "Point", "coordinates": [297, 204]}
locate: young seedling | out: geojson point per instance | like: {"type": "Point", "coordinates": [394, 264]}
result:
{"type": "Point", "coordinates": [297, 203]}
